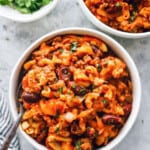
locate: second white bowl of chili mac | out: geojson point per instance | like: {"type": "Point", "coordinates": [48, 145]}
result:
{"type": "Point", "coordinates": [80, 89]}
{"type": "Point", "coordinates": [124, 18]}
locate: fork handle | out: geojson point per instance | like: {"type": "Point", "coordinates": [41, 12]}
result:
{"type": "Point", "coordinates": [11, 133]}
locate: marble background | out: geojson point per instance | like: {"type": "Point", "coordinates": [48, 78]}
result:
{"type": "Point", "coordinates": [16, 37]}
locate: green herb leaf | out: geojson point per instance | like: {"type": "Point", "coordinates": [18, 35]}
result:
{"type": "Point", "coordinates": [60, 90]}
{"type": "Point", "coordinates": [57, 113]}
{"type": "Point", "coordinates": [60, 50]}
{"type": "Point", "coordinates": [96, 134]}
{"type": "Point", "coordinates": [55, 79]}
{"type": "Point", "coordinates": [23, 10]}
{"type": "Point", "coordinates": [45, 2]}
{"type": "Point", "coordinates": [4, 2]}
{"type": "Point", "coordinates": [69, 93]}
{"type": "Point", "coordinates": [133, 16]}
{"type": "Point", "coordinates": [78, 144]}
{"type": "Point", "coordinates": [98, 67]}
{"type": "Point", "coordinates": [91, 87]}
{"type": "Point", "coordinates": [73, 86]}
{"type": "Point", "coordinates": [82, 90]}
{"type": "Point", "coordinates": [28, 3]}
{"type": "Point", "coordinates": [118, 4]}
{"type": "Point", "coordinates": [73, 46]}
{"type": "Point", "coordinates": [57, 130]}
{"type": "Point", "coordinates": [104, 101]}
{"type": "Point", "coordinates": [109, 138]}
{"type": "Point", "coordinates": [25, 6]}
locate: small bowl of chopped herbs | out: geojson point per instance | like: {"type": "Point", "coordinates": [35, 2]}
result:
{"type": "Point", "coordinates": [26, 10]}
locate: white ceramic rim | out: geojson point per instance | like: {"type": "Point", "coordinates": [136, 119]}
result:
{"type": "Point", "coordinates": [10, 13]}
{"type": "Point", "coordinates": [117, 48]}
{"type": "Point", "coordinates": [106, 28]}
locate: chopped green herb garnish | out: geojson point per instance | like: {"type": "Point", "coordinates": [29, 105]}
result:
{"type": "Point", "coordinates": [96, 134]}
{"type": "Point", "coordinates": [92, 86]}
{"type": "Point", "coordinates": [60, 50]}
{"type": "Point", "coordinates": [60, 90]}
{"type": "Point", "coordinates": [55, 79]}
{"type": "Point", "coordinates": [57, 130]}
{"type": "Point", "coordinates": [78, 144]}
{"type": "Point", "coordinates": [133, 16]}
{"type": "Point", "coordinates": [104, 101]}
{"type": "Point", "coordinates": [4, 2]}
{"type": "Point", "coordinates": [118, 4]}
{"type": "Point", "coordinates": [69, 93]}
{"type": "Point", "coordinates": [82, 90]}
{"type": "Point", "coordinates": [57, 113]}
{"type": "Point", "coordinates": [98, 66]}
{"type": "Point", "coordinates": [73, 46]}
{"type": "Point", "coordinates": [25, 6]}
{"type": "Point", "coordinates": [109, 138]}
{"type": "Point", "coordinates": [73, 86]}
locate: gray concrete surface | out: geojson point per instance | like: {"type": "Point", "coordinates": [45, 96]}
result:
{"type": "Point", "coordinates": [16, 37]}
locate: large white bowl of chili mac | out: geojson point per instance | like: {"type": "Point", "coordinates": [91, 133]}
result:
{"type": "Point", "coordinates": [124, 18]}
{"type": "Point", "coordinates": [80, 90]}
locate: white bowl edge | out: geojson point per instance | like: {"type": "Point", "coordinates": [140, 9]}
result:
{"type": "Point", "coordinates": [15, 15]}
{"type": "Point", "coordinates": [106, 28]}
{"type": "Point", "coordinates": [117, 48]}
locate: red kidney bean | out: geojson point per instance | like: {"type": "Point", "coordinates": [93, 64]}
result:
{"type": "Point", "coordinates": [111, 120]}
{"type": "Point", "coordinates": [95, 48]}
{"type": "Point", "coordinates": [127, 109]}
{"type": "Point", "coordinates": [30, 97]}
{"type": "Point", "coordinates": [75, 129]}
{"type": "Point", "coordinates": [63, 73]}
{"type": "Point", "coordinates": [77, 89]}
{"type": "Point", "coordinates": [91, 133]}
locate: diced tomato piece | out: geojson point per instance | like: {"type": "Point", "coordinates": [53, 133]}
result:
{"type": "Point", "coordinates": [51, 94]}
{"type": "Point", "coordinates": [52, 107]}
{"type": "Point", "coordinates": [25, 82]}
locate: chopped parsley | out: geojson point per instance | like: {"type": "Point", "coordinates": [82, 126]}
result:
{"type": "Point", "coordinates": [118, 4]}
{"type": "Point", "coordinates": [25, 6]}
{"type": "Point", "coordinates": [73, 46]}
{"type": "Point", "coordinates": [57, 114]}
{"type": "Point", "coordinates": [73, 86]}
{"type": "Point", "coordinates": [82, 90]}
{"type": "Point", "coordinates": [91, 87]}
{"type": "Point", "coordinates": [69, 93]}
{"type": "Point", "coordinates": [133, 16]}
{"type": "Point", "coordinates": [60, 90]}
{"type": "Point", "coordinates": [78, 144]}
{"type": "Point", "coordinates": [60, 50]}
{"type": "Point", "coordinates": [57, 130]}
{"type": "Point", "coordinates": [104, 101]}
{"type": "Point", "coordinates": [98, 66]}
{"type": "Point", "coordinates": [109, 138]}
{"type": "Point", "coordinates": [55, 79]}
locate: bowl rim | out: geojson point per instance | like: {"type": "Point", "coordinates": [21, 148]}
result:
{"type": "Point", "coordinates": [15, 15]}
{"type": "Point", "coordinates": [103, 27]}
{"type": "Point", "coordinates": [115, 46]}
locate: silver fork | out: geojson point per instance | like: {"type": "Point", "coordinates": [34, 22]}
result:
{"type": "Point", "coordinates": [12, 131]}
{"type": "Point", "coordinates": [15, 125]}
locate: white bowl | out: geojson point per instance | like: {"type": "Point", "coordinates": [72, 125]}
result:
{"type": "Point", "coordinates": [116, 47]}
{"type": "Point", "coordinates": [13, 14]}
{"type": "Point", "coordinates": [108, 29]}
